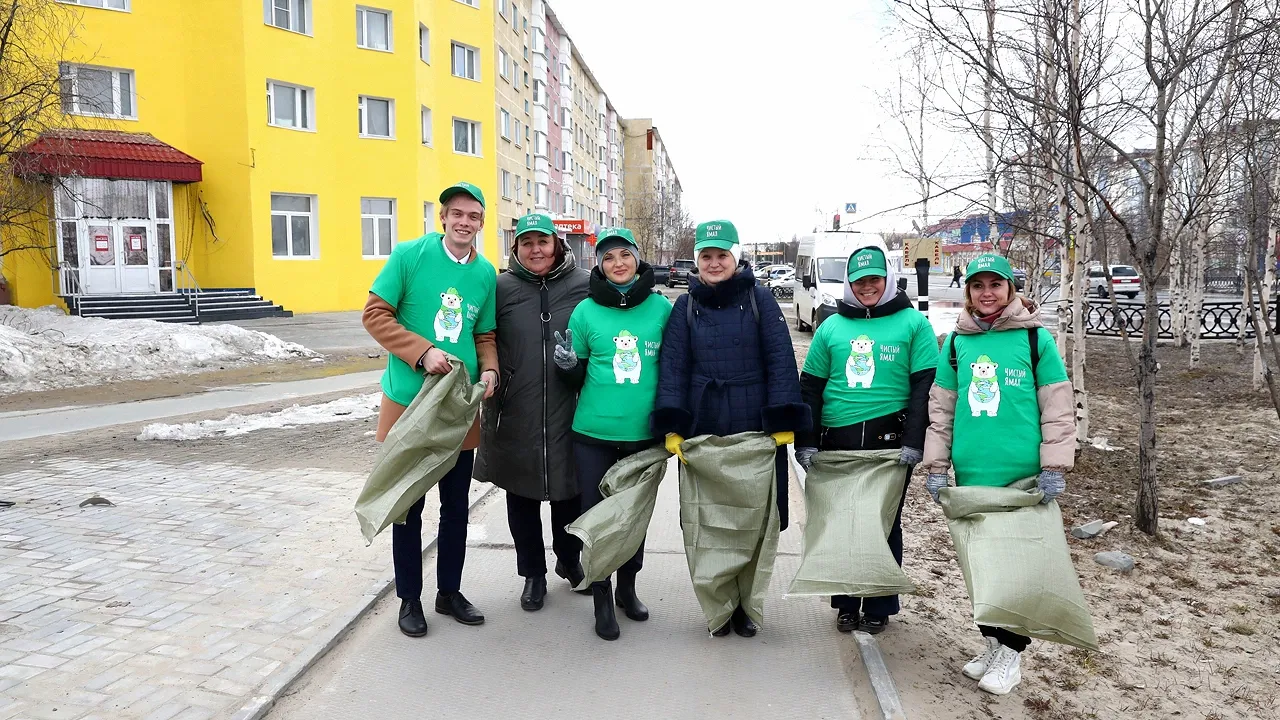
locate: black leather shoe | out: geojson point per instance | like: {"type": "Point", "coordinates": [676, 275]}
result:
{"type": "Point", "coordinates": [873, 624]}
{"type": "Point", "coordinates": [535, 591]}
{"type": "Point", "coordinates": [722, 630]}
{"type": "Point", "coordinates": [413, 622]}
{"type": "Point", "coordinates": [847, 621]}
{"type": "Point", "coordinates": [573, 574]}
{"type": "Point", "coordinates": [456, 605]}
{"type": "Point", "coordinates": [626, 598]}
{"type": "Point", "coordinates": [606, 622]}
{"type": "Point", "coordinates": [742, 624]}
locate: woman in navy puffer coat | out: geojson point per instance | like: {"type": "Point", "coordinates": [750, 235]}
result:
{"type": "Point", "coordinates": [734, 370]}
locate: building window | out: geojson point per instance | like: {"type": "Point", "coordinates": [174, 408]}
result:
{"type": "Point", "coordinates": [504, 181]}
{"type": "Point", "coordinates": [539, 92]}
{"type": "Point", "coordinates": [377, 226]}
{"type": "Point", "coordinates": [505, 120]}
{"type": "Point", "coordinates": [539, 42]}
{"type": "Point", "coordinates": [566, 78]}
{"type": "Point", "coordinates": [424, 43]}
{"type": "Point", "coordinates": [427, 134]}
{"type": "Point", "coordinates": [377, 117]}
{"type": "Point", "coordinates": [504, 8]}
{"type": "Point", "coordinates": [294, 15]}
{"type": "Point", "coordinates": [472, 3]}
{"type": "Point", "coordinates": [540, 194]}
{"type": "Point", "coordinates": [528, 187]}
{"type": "Point", "coordinates": [466, 137]}
{"type": "Point", "coordinates": [98, 91]}
{"type": "Point", "coordinates": [504, 65]}
{"type": "Point", "coordinates": [108, 4]}
{"type": "Point", "coordinates": [373, 29]}
{"type": "Point", "coordinates": [466, 62]}
{"type": "Point", "coordinates": [293, 226]}
{"type": "Point", "coordinates": [528, 161]}
{"type": "Point", "coordinates": [540, 144]}
{"type": "Point", "coordinates": [516, 123]}
{"type": "Point", "coordinates": [428, 217]}
{"type": "Point", "coordinates": [290, 106]}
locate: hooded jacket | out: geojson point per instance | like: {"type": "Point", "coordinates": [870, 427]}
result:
{"type": "Point", "coordinates": [525, 445]}
{"type": "Point", "coordinates": [1057, 403]}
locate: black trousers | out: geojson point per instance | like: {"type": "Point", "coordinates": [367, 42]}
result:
{"type": "Point", "coordinates": [1007, 638]}
{"type": "Point", "coordinates": [884, 433]}
{"type": "Point", "coordinates": [451, 542]}
{"type": "Point", "coordinates": [524, 517]}
{"type": "Point", "coordinates": [593, 462]}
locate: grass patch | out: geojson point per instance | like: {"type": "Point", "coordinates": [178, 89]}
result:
{"type": "Point", "coordinates": [1241, 629]}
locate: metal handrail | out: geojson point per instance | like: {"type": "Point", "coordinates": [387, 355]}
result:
{"type": "Point", "coordinates": [192, 297]}
{"type": "Point", "coordinates": [69, 281]}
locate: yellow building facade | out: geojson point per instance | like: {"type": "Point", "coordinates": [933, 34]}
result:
{"type": "Point", "coordinates": [326, 130]}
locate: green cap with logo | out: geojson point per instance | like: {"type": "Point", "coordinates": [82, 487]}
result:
{"type": "Point", "coordinates": [535, 222]}
{"type": "Point", "coordinates": [462, 187]}
{"type": "Point", "coordinates": [716, 234]}
{"type": "Point", "coordinates": [866, 262]}
{"type": "Point", "coordinates": [991, 263]}
{"type": "Point", "coordinates": [616, 234]}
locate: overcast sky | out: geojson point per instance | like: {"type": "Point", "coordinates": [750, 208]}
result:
{"type": "Point", "coordinates": [767, 115]}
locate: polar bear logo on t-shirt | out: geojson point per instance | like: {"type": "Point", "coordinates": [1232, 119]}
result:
{"type": "Point", "coordinates": [449, 316]}
{"type": "Point", "coordinates": [984, 388]}
{"type": "Point", "coordinates": [626, 359]}
{"type": "Point", "coordinates": [860, 369]}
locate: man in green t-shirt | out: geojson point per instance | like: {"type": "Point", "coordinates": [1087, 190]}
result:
{"type": "Point", "coordinates": [435, 295]}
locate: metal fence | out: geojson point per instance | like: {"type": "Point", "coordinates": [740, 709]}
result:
{"type": "Point", "coordinates": [1218, 320]}
{"type": "Point", "coordinates": [1230, 284]}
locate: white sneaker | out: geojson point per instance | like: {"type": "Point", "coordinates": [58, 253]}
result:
{"type": "Point", "coordinates": [1004, 673]}
{"type": "Point", "coordinates": [977, 667]}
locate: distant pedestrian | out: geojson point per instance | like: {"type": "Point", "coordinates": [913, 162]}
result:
{"type": "Point", "coordinates": [728, 365]}
{"type": "Point", "coordinates": [1001, 410]}
{"type": "Point", "coordinates": [435, 295]}
{"type": "Point", "coordinates": [867, 378]}
{"type": "Point", "coordinates": [611, 353]}
{"type": "Point", "coordinates": [525, 446]}
{"type": "Point", "coordinates": [956, 277]}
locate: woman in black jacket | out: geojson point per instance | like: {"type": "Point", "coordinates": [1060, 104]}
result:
{"type": "Point", "coordinates": [866, 379]}
{"type": "Point", "coordinates": [525, 446]}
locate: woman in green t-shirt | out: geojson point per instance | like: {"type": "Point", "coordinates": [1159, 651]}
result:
{"type": "Point", "coordinates": [866, 380]}
{"type": "Point", "coordinates": [1001, 410]}
{"type": "Point", "coordinates": [610, 351]}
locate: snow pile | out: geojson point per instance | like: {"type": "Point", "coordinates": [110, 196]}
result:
{"type": "Point", "coordinates": [943, 319]}
{"type": "Point", "coordinates": [45, 348]}
{"type": "Point", "coordinates": [358, 407]}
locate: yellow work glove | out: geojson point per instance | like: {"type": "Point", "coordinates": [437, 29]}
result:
{"type": "Point", "coordinates": [784, 438]}
{"type": "Point", "coordinates": [673, 446]}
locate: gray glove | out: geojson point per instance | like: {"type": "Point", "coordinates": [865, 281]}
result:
{"type": "Point", "coordinates": [910, 456]}
{"type": "Point", "coordinates": [1051, 483]}
{"type": "Point", "coordinates": [934, 484]}
{"type": "Point", "coordinates": [804, 456]}
{"type": "Point", "coordinates": [566, 359]}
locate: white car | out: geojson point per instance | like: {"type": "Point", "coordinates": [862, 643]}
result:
{"type": "Point", "coordinates": [782, 279]}
{"type": "Point", "coordinates": [1124, 281]}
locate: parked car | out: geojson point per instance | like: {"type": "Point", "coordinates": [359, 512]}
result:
{"type": "Point", "coordinates": [1124, 281]}
{"type": "Point", "coordinates": [1019, 279]}
{"type": "Point", "coordinates": [781, 278]}
{"type": "Point", "coordinates": [678, 273]}
{"type": "Point", "coordinates": [660, 274]}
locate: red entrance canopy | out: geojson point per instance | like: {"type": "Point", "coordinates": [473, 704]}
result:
{"type": "Point", "coordinates": [106, 154]}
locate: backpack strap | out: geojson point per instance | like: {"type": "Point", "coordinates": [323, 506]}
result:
{"type": "Point", "coordinates": [951, 353]}
{"type": "Point", "coordinates": [755, 309]}
{"type": "Point", "coordinates": [1033, 339]}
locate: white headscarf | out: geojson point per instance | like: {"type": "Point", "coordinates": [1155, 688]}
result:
{"type": "Point", "coordinates": [890, 288]}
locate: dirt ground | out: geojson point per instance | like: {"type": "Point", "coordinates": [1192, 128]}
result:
{"type": "Point", "coordinates": [182, 384]}
{"type": "Point", "coordinates": [1192, 631]}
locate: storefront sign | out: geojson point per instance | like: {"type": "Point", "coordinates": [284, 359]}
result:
{"type": "Point", "coordinates": [135, 242]}
{"type": "Point", "coordinates": [571, 227]}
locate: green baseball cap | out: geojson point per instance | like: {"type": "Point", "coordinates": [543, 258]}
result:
{"type": "Point", "coordinates": [616, 233]}
{"type": "Point", "coordinates": [716, 234]}
{"type": "Point", "coordinates": [535, 222]}
{"type": "Point", "coordinates": [991, 263]}
{"type": "Point", "coordinates": [462, 187]}
{"type": "Point", "coordinates": [866, 262]}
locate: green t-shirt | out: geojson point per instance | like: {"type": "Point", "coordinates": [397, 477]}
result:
{"type": "Point", "coordinates": [439, 299]}
{"type": "Point", "coordinates": [868, 363]}
{"type": "Point", "coordinates": [620, 348]}
{"type": "Point", "coordinates": [996, 438]}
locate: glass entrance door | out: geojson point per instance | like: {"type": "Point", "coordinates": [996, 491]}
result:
{"type": "Point", "coordinates": [102, 255]}
{"type": "Point", "coordinates": [137, 272]}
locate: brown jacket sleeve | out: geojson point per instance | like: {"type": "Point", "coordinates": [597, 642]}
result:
{"type": "Point", "coordinates": [380, 320]}
{"type": "Point", "coordinates": [942, 421]}
{"type": "Point", "coordinates": [487, 351]}
{"type": "Point", "coordinates": [1057, 426]}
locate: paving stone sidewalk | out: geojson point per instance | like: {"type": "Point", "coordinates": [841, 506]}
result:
{"type": "Point", "coordinates": [218, 563]}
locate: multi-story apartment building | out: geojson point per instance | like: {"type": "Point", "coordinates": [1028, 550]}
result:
{"type": "Point", "coordinates": [283, 145]}
{"type": "Point", "coordinates": [652, 190]}
{"type": "Point", "coordinates": [514, 116]}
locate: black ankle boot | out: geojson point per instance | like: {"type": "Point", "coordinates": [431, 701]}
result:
{"type": "Point", "coordinates": [627, 600]}
{"type": "Point", "coordinates": [606, 622]}
{"type": "Point", "coordinates": [535, 591]}
{"type": "Point", "coordinates": [743, 624]}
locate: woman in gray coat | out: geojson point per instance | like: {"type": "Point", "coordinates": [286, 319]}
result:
{"type": "Point", "coordinates": [525, 443]}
